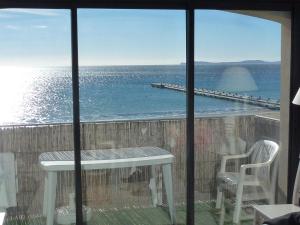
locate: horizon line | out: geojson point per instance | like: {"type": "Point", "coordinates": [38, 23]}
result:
{"type": "Point", "coordinates": [169, 64]}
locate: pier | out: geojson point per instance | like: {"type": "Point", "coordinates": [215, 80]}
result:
{"type": "Point", "coordinates": [268, 103]}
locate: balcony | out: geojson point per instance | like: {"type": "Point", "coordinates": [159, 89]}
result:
{"type": "Point", "coordinates": [120, 196]}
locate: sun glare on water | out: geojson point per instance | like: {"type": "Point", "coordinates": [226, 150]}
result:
{"type": "Point", "coordinates": [15, 83]}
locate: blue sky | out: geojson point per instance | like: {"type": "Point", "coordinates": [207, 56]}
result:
{"type": "Point", "coordinates": [37, 37]}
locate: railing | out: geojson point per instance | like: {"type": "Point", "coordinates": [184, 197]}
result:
{"type": "Point", "coordinates": [105, 189]}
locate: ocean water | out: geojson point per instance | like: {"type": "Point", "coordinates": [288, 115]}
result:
{"type": "Point", "coordinates": [44, 95]}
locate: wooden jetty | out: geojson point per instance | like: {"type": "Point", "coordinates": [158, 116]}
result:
{"type": "Point", "coordinates": [268, 103]}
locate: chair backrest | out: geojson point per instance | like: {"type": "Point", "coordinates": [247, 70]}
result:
{"type": "Point", "coordinates": [261, 152]}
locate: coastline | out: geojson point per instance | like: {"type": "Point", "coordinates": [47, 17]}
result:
{"type": "Point", "coordinates": [272, 114]}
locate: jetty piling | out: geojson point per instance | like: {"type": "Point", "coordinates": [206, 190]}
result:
{"type": "Point", "coordinates": [259, 101]}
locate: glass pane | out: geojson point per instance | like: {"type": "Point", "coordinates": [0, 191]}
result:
{"type": "Point", "coordinates": [132, 129]}
{"type": "Point", "coordinates": [238, 74]}
{"type": "Point", "coordinates": [36, 116]}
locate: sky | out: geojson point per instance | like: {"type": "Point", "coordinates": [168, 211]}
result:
{"type": "Point", "coordinates": [36, 37]}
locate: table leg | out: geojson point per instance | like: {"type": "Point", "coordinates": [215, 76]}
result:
{"type": "Point", "coordinates": [153, 187]}
{"type": "Point", "coordinates": [45, 196]}
{"type": "Point", "coordinates": [167, 176]}
{"type": "Point", "coordinates": [222, 212]}
{"type": "Point", "coordinates": [255, 218]}
{"type": "Point", "coordinates": [52, 181]}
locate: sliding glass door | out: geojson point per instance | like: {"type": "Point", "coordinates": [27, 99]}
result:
{"type": "Point", "coordinates": [238, 98]}
{"type": "Point", "coordinates": [132, 124]}
{"type": "Point", "coordinates": [36, 133]}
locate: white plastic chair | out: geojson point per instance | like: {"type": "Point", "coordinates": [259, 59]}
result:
{"type": "Point", "coordinates": [8, 184]}
{"type": "Point", "coordinates": [261, 172]}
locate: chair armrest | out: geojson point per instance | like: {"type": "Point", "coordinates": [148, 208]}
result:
{"type": "Point", "coordinates": [235, 156]}
{"type": "Point", "coordinates": [244, 167]}
{"type": "Point", "coordinates": [225, 158]}
{"type": "Point", "coordinates": [257, 165]}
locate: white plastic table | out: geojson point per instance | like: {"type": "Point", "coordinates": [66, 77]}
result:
{"type": "Point", "coordinates": [54, 162]}
{"type": "Point", "coordinates": [265, 212]}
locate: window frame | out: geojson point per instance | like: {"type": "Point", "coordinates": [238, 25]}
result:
{"type": "Point", "coordinates": [189, 6]}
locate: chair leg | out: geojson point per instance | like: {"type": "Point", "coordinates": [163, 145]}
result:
{"type": "Point", "coordinates": [167, 176]}
{"type": "Point", "coordinates": [219, 198]}
{"type": "Point", "coordinates": [238, 205]}
{"type": "Point", "coordinates": [45, 196]}
{"type": "Point", "coordinates": [272, 199]}
{"type": "Point", "coordinates": [271, 194]}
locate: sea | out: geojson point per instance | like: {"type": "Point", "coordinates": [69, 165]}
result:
{"type": "Point", "coordinates": [108, 93]}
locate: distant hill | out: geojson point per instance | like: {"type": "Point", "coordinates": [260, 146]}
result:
{"type": "Point", "coordinates": [257, 62]}
{"type": "Point", "coordinates": [235, 63]}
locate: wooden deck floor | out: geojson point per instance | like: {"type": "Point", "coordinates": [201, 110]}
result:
{"type": "Point", "coordinates": [204, 215]}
